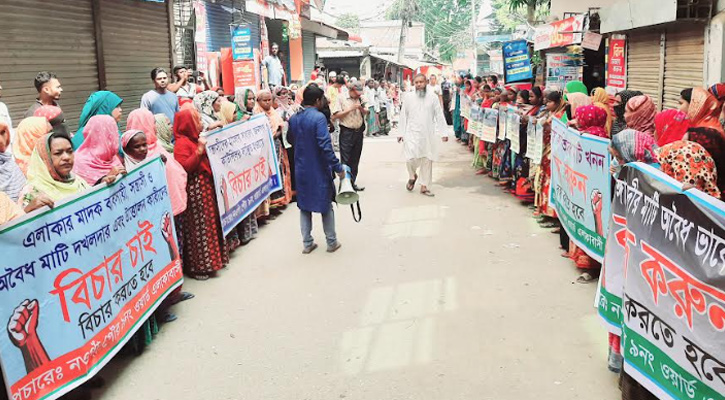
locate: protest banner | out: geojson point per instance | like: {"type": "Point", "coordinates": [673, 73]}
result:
{"type": "Point", "coordinates": [465, 107]}
{"type": "Point", "coordinates": [530, 138]}
{"type": "Point", "coordinates": [81, 278]}
{"type": "Point", "coordinates": [580, 186]}
{"type": "Point", "coordinates": [502, 116]}
{"type": "Point", "coordinates": [664, 285]}
{"type": "Point", "coordinates": [512, 129]}
{"type": "Point", "coordinates": [245, 168]}
{"type": "Point", "coordinates": [489, 125]}
{"type": "Point", "coordinates": [474, 122]}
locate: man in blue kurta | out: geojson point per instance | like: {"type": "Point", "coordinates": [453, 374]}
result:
{"type": "Point", "coordinates": [315, 162]}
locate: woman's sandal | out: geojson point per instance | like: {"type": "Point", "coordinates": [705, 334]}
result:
{"type": "Point", "coordinates": [427, 193]}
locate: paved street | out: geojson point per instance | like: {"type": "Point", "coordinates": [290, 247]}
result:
{"type": "Point", "coordinates": [457, 297]}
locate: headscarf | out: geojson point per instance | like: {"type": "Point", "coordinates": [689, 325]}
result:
{"type": "Point", "coordinates": [599, 95]}
{"type": "Point", "coordinates": [242, 104]}
{"type": "Point", "coordinates": [714, 143]}
{"type": "Point", "coordinates": [176, 176]}
{"type": "Point", "coordinates": [164, 132]}
{"type": "Point", "coordinates": [99, 103]}
{"type": "Point", "coordinates": [635, 146]}
{"type": "Point", "coordinates": [99, 152]}
{"type": "Point", "coordinates": [9, 209]}
{"type": "Point", "coordinates": [186, 137]}
{"type": "Point", "coordinates": [129, 161]}
{"type": "Point", "coordinates": [619, 124]}
{"type": "Point", "coordinates": [670, 126]}
{"type": "Point", "coordinates": [27, 134]}
{"type": "Point", "coordinates": [577, 100]}
{"type": "Point", "coordinates": [704, 110]}
{"type": "Point", "coordinates": [592, 119]}
{"type": "Point", "coordinates": [688, 162]}
{"type": "Point", "coordinates": [608, 112]}
{"type": "Point", "coordinates": [55, 117]}
{"type": "Point", "coordinates": [275, 121]}
{"type": "Point", "coordinates": [12, 178]}
{"type": "Point", "coordinates": [228, 112]}
{"type": "Point", "coordinates": [640, 114]}
{"type": "Point", "coordinates": [43, 178]}
{"type": "Point", "coordinates": [204, 103]}
{"type": "Point", "coordinates": [575, 87]}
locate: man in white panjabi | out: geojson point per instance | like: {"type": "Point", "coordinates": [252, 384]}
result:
{"type": "Point", "coordinates": [422, 123]}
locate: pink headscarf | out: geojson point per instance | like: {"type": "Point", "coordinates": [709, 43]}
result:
{"type": "Point", "coordinates": [99, 152]}
{"type": "Point", "coordinates": [592, 119]}
{"type": "Point", "coordinates": [143, 120]}
{"type": "Point", "coordinates": [640, 114]}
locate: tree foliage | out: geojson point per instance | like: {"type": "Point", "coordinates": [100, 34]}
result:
{"type": "Point", "coordinates": [531, 7]}
{"type": "Point", "coordinates": [509, 14]}
{"type": "Point", "coordinates": [447, 23]}
{"type": "Point", "coordinates": [349, 21]}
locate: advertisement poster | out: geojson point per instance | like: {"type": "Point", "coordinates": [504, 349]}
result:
{"type": "Point", "coordinates": [81, 278]}
{"type": "Point", "coordinates": [245, 168]}
{"type": "Point", "coordinates": [667, 292]}
{"type": "Point", "coordinates": [242, 47]}
{"type": "Point", "coordinates": [617, 64]}
{"type": "Point", "coordinates": [517, 62]}
{"type": "Point", "coordinates": [560, 70]}
{"type": "Point", "coordinates": [244, 75]}
{"type": "Point", "coordinates": [489, 125]}
{"type": "Point", "coordinates": [559, 34]}
{"type": "Point", "coordinates": [581, 187]}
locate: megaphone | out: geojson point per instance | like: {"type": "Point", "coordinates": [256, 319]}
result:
{"type": "Point", "coordinates": [346, 194]}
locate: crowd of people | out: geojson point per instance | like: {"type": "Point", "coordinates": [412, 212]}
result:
{"type": "Point", "coordinates": [687, 144]}
{"type": "Point", "coordinates": [43, 162]}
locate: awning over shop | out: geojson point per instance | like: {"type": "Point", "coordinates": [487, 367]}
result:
{"type": "Point", "coordinates": [323, 29]}
{"type": "Point", "coordinates": [390, 59]}
{"type": "Point", "coordinates": [629, 14]}
{"type": "Point", "coordinates": [339, 54]}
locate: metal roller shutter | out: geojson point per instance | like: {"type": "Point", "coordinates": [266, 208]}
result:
{"type": "Point", "coordinates": [643, 64]}
{"type": "Point", "coordinates": [253, 21]}
{"type": "Point", "coordinates": [684, 60]}
{"type": "Point", "coordinates": [60, 38]}
{"type": "Point", "coordinates": [218, 19]}
{"type": "Point", "coordinates": [309, 53]}
{"type": "Point", "coordinates": [135, 40]}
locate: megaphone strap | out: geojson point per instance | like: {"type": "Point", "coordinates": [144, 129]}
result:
{"type": "Point", "coordinates": [357, 217]}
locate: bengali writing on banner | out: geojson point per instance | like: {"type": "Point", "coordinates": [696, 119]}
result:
{"type": "Point", "coordinates": [663, 284]}
{"type": "Point", "coordinates": [502, 117]}
{"type": "Point", "coordinates": [580, 186]}
{"type": "Point", "coordinates": [489, 125]}
{"type": "Point", "coordinates": [81, 278]}
{"type": "Point", "coordinates": [245, 168]}
{"type": "Point", "coordinates": [474, 124]}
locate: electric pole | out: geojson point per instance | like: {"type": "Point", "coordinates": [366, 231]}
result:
{"type": "Point", "coordinates": [473, 36]}
{"type": "Point", "coordinates": [403, 30]}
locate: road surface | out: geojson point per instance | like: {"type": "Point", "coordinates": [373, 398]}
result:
{"type": "Point", "coordinates": [456, 297]}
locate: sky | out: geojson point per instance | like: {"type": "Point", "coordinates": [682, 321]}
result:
{"type": "Point", "coordinates": [367, 9]}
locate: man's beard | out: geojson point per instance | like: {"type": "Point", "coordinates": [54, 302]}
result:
{"type": "Point", "coordinates": [421, 92]}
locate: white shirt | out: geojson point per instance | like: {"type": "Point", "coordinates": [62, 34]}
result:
{"type": "Point", "coordinates": [371, 98]}
{"type": "Point", "coordinates": [422, 124]}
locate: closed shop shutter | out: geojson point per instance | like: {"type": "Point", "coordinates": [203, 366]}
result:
{"type": "Point", "coordinates": [218, 17]}
{"type": "Point", "coordinates": [56, 36]}
{"type": "Point", "coordinates": [309, 53]}
{"type": "Point", "coordinates": [643, 64]}
{"type": "Point", "coordinates": [684, 60]}
{"type": "Point", "coordinates": [135, 40]}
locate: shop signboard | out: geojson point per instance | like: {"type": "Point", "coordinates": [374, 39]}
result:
{"type": "Point", "coordinates": [617, 64]}
{"type": "Point", "coordinates": [560, 33]}
{"type": "Point", "coordinates": [517, 62]}
{"type": "Point", "coordinates": [242, 48]}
